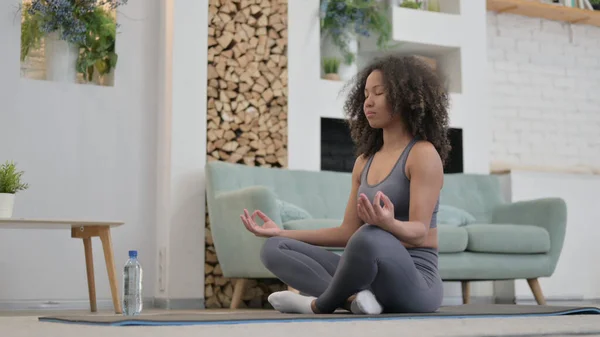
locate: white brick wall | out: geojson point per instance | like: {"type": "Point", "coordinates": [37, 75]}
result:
{"type": "Point", "coordinates": [544, 92]}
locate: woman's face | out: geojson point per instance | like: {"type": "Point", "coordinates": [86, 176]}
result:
{"type": "Point", "coordinates": [376, 106]}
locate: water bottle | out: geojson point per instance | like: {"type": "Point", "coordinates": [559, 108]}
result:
{"type": "Point", "coordinates": [132, 286]}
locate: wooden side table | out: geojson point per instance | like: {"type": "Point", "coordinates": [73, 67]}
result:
{"type": "Point", "coordinates": [85, 230]}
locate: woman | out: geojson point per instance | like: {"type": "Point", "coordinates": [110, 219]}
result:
{"type": "Point", "coordinates": [397, 112]}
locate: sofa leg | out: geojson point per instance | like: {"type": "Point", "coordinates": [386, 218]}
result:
{"type": "Point", "coordinates": [534, 285]}
{"type": "Point", "coordinates": [465, 291]}
{"type": "Point", "coordinates": [238, 293]}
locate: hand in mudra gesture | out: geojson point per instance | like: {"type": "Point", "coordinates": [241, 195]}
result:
{"type": "Point", "coordinates": [375, 214]}
{"type": "Point", "coordinates": [269, 228]}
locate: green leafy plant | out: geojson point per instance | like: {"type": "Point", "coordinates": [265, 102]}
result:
{"type": "Point", "coordinates": [97, 53]}
{"type": "Point", "coordinates": [10, 179]}
{"type": "Point", "coordinates": [88, 24]}
{"type": "Point", "coordinates": [411, 4]}
{"type": "Point", "coordinates": [341, 19]}
{"type": "Point", "coordinates": [331, 65]}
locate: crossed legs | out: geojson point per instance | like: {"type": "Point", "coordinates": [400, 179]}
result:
{"type": "Point", "coordinates": [373, 261]}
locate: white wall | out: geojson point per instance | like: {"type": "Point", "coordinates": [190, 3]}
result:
{"type": "Point", "coordinates": [306, 101]}
{"type": "Point", "coordinates": [88, 152]}
{"type": "Point", "coordinates": [180, 208]}
{"type": "Point", "coordinates": [545, 80]}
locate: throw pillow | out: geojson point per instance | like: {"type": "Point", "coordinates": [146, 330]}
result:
{"type": "Point", "coordinates": [450, 215]}
{"type": "Point", "coordinates": [291, 212]}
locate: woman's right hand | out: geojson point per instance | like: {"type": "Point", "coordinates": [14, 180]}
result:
{"type": "Point", "coordinates": [268, 229]}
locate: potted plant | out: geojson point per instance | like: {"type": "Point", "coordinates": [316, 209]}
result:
{"type": "Point", "coordinates": [10, 184]}
{"type": "Point", "coordinates": [595, 4]}
{"type": "Point", "coordinates": [331, 66]}
{"type": "Point", "coordinates": [78, 36]}
{"type": "Point", "coordinates": [343, 21]}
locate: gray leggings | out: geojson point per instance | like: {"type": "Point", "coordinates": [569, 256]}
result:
{"type": "Point", "coordinates": [403, 280]}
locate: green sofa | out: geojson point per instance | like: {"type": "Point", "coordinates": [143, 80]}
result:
{"type": "Point", "coordinates": [481, 236]}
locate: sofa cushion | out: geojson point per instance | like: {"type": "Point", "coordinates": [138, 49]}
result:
{"type": "Point", "coordinates": [507, 238]}
{"type": "Point", "coordinates": [452, 239]}
{"type": "Point", "coordinates": [291, 212]}
{"type": "Point", "coordinates": [450, 215]}
{"type": "Point", "coordinates": [311, 224]}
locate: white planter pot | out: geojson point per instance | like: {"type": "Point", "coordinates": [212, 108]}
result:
{"type": "Point", "coordinates": [328, 49]}
{"type": "Point", "coordinates": [61, 59]}
{"type": "Point", "coordinates": [7, 203]}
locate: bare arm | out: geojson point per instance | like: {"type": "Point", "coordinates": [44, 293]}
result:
{"type": "Point", "coordinates": [426, 174]}
{"type": "Point", "coordinates": [336, 236]}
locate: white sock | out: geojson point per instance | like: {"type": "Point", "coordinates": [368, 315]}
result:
{"type": "Point", "coordinates": [365, 303]}
{"type": "Point", "coordinates": [291, 302]}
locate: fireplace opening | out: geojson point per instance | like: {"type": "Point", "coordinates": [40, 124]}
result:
{"type": "Point", "coordinates": [337, 148]}
{"type": "Point", "coordinates": [455, 161]}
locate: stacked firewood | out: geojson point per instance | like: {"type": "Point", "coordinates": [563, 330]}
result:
{"type": "Point", "coordinates": [247, 112]}
{"type": "Point", "coordinates": [247, 82]}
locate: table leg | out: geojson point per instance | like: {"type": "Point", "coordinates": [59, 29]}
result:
{"type": "Point", "coordinates": [110, 267]}
{"type": "Point", "coordinates": [87, 233]}
{"type": "Point", "coordinates": [89, 266]}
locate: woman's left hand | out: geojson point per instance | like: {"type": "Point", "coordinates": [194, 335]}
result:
{"type": "Point", "coordinates": [374, 214]}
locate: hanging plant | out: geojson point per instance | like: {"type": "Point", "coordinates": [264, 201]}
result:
{"type": "Point", "coordinates": [341, 19]}
{"type": "Point", "coordinates": [87, 24]}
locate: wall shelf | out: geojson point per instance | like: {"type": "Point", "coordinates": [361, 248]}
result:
{"type": "Point", "coordinates": [535, 9]}
{"type": "Point", "coordinates": [420, 32]}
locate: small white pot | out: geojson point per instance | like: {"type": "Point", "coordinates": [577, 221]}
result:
{"type": "Point", "coordinates": [61, 59]}
{"type": "Point", "coordinates": [7, 203]}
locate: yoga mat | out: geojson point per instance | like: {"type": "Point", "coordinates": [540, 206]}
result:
{"type": "Point", "coordinates": [262, 316]}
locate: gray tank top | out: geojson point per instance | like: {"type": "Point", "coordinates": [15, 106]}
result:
{"type": "Point", "coordinates": [396, 186]}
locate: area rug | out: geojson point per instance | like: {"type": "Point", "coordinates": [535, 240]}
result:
{"type": "Point", "coordinates": [206, 317]}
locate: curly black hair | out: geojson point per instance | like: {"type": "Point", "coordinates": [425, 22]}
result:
{"type": "Point", "coordinates": [414, 91]}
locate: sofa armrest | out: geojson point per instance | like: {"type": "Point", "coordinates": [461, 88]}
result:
{"type": "Point", "coordinates": [238, 250]}
{"type": "Point", "coordinates": [251, 198]}
{"type": "Point", "coordinates": [549, 213]}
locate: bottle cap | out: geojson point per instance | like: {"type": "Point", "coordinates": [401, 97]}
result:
{"type": "Point", "coordinates": [133, 253]}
